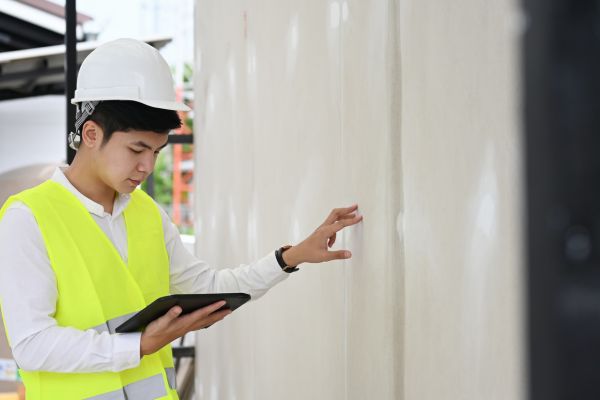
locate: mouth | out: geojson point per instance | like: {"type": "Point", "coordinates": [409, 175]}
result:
{"type": "Point", "coordinates": [136, 183]}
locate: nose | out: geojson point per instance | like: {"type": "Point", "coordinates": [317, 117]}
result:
{"type": "Point", "coordinates": [146, 163]}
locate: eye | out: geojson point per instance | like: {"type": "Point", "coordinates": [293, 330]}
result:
{"type": "Point", "coordinates": [135, 151]}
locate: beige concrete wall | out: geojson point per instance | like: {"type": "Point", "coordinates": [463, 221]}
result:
{"type": "Point", "coordinates": [409, 108]}
{"type": "Point", "coordinates": [293, 118]}
{"type": "Point", "coordinates": [461, 168]}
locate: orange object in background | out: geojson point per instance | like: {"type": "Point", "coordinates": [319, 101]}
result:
{"type": "Point", "coordinates": [182, 178]}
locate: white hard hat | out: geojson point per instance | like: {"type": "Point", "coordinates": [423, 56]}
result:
{"type": "Point", "coordinates": [127, 69]}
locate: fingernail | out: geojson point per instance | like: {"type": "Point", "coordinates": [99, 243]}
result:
{"type": "Point", "coordinates": [347, 254]}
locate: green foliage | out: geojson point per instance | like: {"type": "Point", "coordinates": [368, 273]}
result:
{"type": "Point", "coordinates": [188, 73]}
{"type": "Point", "coordinates": [186, 230]}
{"type": "Point", "coordinates": [190, 122]}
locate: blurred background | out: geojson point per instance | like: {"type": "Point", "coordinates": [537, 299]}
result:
{"type": "Point", "coordinates": [466, 131]}
{"type": "Point", "coordinates": [32, 89]}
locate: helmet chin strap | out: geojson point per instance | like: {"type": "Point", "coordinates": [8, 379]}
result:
{"type": "Point", "coordinates": [74, 140]}
{"type": "Point", "coordinates": [84, 110]}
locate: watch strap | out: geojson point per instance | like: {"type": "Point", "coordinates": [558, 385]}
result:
{"type": "Point", "coordinates": [279, 256]}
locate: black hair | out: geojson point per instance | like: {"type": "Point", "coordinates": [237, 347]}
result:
{"type": "Point", "coordinates": [118, 115]}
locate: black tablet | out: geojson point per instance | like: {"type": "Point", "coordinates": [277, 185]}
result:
{"type": "Point", "coordinates": [188, 304]}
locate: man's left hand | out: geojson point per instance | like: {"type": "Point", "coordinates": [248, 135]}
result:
{"type": "Point", "coordinates": [315, 248]}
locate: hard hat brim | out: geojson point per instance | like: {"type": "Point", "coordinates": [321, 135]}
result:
{"type": "Point", "coordinates": [164, 105]}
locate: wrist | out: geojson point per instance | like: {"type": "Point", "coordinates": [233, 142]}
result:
{"type": "Point", "coordinates": [146, 346]}
{"type": "Point", "coordinates": [290, 257]}
{"type": "Point", "coordinates": [142, 347]}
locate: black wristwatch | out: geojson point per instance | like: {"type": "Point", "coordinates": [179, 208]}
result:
{"type": "Point", "coordinates": [278, 255]}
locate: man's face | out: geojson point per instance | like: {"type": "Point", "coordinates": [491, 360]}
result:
{"type": "Point", "coordinates": [128, 158]}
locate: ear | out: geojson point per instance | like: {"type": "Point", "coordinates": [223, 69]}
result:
{"type": "Point", "coordinates": [91, 134]}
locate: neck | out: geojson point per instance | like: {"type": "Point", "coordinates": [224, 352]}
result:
{"type": "Point", "coordinates": [86, 181]}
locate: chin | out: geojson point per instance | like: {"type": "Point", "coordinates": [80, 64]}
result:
{"type": "Point", "coordinates": [128, 190]}
{"type": "Point", "coordinates": [125, 189]}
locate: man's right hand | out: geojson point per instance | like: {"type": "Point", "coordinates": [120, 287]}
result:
{"type": "Point", "coordinates": [171, 326]}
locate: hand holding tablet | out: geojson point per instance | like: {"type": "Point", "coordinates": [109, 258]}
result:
{"type": "Point", "coordinates": [170, 317]}
{"type": "Point", "coordinates": [188, 303]}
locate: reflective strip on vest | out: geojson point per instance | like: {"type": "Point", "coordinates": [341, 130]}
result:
{"type": "Point", "coordinates": [171, 377]}
{"type": "Point", "coordinates": [116, 395]}
{"type": "Point", "coordinates": [146, 389]}
{"type": "Point", "coordinates": [111, 325]}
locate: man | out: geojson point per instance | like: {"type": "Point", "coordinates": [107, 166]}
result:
{"type": "Point", "coordinates": [85, 250]}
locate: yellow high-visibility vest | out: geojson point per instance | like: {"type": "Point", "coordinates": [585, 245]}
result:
{"type": "Point", "coordinates": [97, 290]}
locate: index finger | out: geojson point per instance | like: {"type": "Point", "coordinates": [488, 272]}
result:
{"type": "Point", "coordinates": [341, 224]}
{"type": "Point", "coordinates": [338, 212]}
{"type": "Point", "coordinates": [209, 309]}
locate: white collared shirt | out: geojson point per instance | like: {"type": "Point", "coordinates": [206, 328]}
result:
{"type": "Point", "coordinates": [28, 290]}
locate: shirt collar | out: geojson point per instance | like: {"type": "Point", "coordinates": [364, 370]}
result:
{"type": "Point", "coordinates": [119, 206]}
